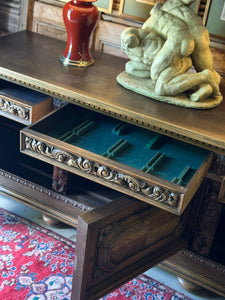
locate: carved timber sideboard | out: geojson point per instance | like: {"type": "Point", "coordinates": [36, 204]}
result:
{"type": "Point", "coordinates": [135, 176]}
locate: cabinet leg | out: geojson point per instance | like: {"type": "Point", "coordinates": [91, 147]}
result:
{"type": "Point", "coordinates": [188, 286]}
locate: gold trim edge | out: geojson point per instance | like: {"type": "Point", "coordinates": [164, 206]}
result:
{"type": "Point", "coordinates": [76, 63]}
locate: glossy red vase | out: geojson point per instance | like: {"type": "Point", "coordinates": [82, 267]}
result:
{"type": "Point", "coordinates": [80, 18]}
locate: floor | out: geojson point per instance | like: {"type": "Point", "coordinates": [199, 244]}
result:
{"type": "Point", "coordinates": [157, 273]}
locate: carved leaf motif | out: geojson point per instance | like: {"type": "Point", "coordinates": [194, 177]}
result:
{"type": "Point", "coordinates": [14, 109]}
{"type": "Point", "coordinates": [132, 183]}
{"type": "Point", "coordinates": [4, 105]}
{"type": "Point", "coordinates": [173, 199]}
{"type": "Point", "coordinates": [58, 155]}
{"type": "Point", "coordinates": [85, 165]}
{"type": "Point", "coordinates": [110, 175]}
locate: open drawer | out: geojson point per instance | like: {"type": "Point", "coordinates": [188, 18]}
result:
{"type": "Point", "coordinates": [22, 104]}
{"type": "Point", "coordinates": [151, 167]}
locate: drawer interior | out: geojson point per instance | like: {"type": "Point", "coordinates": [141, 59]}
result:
{"type": "Point", "coordinates": [136, 147]}
{"type": "Point", "coordinates": [16, 91]}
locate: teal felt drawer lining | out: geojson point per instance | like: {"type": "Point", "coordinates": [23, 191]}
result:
{"type": "Point", "coordinates": [130, 145]}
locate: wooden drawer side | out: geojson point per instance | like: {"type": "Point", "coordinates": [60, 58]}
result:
{"type": "Point", "coordinates": [22, 104]}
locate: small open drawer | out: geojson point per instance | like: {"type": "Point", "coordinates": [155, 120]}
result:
{"type": "Point", "coordinates": [150, 167]}
{"type": "Point", "coordinates": [22, 104]}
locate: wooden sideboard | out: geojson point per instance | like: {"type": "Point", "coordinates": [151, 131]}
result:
{"type": "Point", "coordinates": [120, 233]}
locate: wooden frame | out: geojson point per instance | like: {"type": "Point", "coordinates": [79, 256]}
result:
{"type": "Point", "coordinates": [204, 9]}
{"type": "Point", "coordinates": [135, 10]}
{"type": "Point", "coordinates": [13, 17]}
{"type": "Point", "coordinates": [213, 21]}
{"type": "Point", "coordinates": [103, 5]}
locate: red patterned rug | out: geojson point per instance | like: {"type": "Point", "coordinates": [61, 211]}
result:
{"type": "Point", "coordinates": [37, 264]}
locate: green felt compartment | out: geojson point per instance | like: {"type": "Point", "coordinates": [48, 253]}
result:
{"type": "Point", "coordinates": [14, 90]}
{"type": "Point", "coordinates": [141, 149]}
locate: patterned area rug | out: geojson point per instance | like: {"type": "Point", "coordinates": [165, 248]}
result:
{"type": "Point", "coordinates": [37, 264]}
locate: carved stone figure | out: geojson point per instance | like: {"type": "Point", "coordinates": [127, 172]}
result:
{"type": "Point", "coordinates": [170, 58]}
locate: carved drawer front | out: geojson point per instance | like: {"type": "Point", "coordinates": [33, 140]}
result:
{"type": "Point", "coordinates": [22, 104]}
{"type": "Point", "coordinates": [151, 167]}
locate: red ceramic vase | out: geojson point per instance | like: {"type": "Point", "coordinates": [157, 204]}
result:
{"type": "Point", "coordinates": [80, 18]}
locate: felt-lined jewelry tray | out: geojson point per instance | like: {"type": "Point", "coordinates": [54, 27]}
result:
{"type": "Point", "coordinates": [22, 104]}
{"type": "Point", "coordinates": [149, 166]}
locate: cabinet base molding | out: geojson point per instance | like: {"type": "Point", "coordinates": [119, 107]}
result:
{"type": "Point", "coordinates": [198, 270]}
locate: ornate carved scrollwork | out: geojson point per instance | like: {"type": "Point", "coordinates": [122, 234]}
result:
{"type": "Point", "coordinates": [135, 185]}
{"type": "Point", "coordinates": [14, 109]}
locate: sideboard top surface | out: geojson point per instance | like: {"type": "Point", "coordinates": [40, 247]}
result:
{"type": "Point", "coordinates": [32, 60]}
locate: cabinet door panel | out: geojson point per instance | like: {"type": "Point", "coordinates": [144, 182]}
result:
{"type": "Point", "coordinates": [118, 241]}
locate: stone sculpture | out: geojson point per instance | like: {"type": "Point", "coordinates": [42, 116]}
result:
{"type": "Point", "coordinates": [170, 58]}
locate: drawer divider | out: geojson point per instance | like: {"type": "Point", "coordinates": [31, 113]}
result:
{"type": "Point", "coordinates": [116, 148]}
{"type": "Point", "coordinates": [154, 162]}
{"type": "Point", "coordinates": [77, 131]}
{"type": "Point", "coordinates": [180, 178]}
